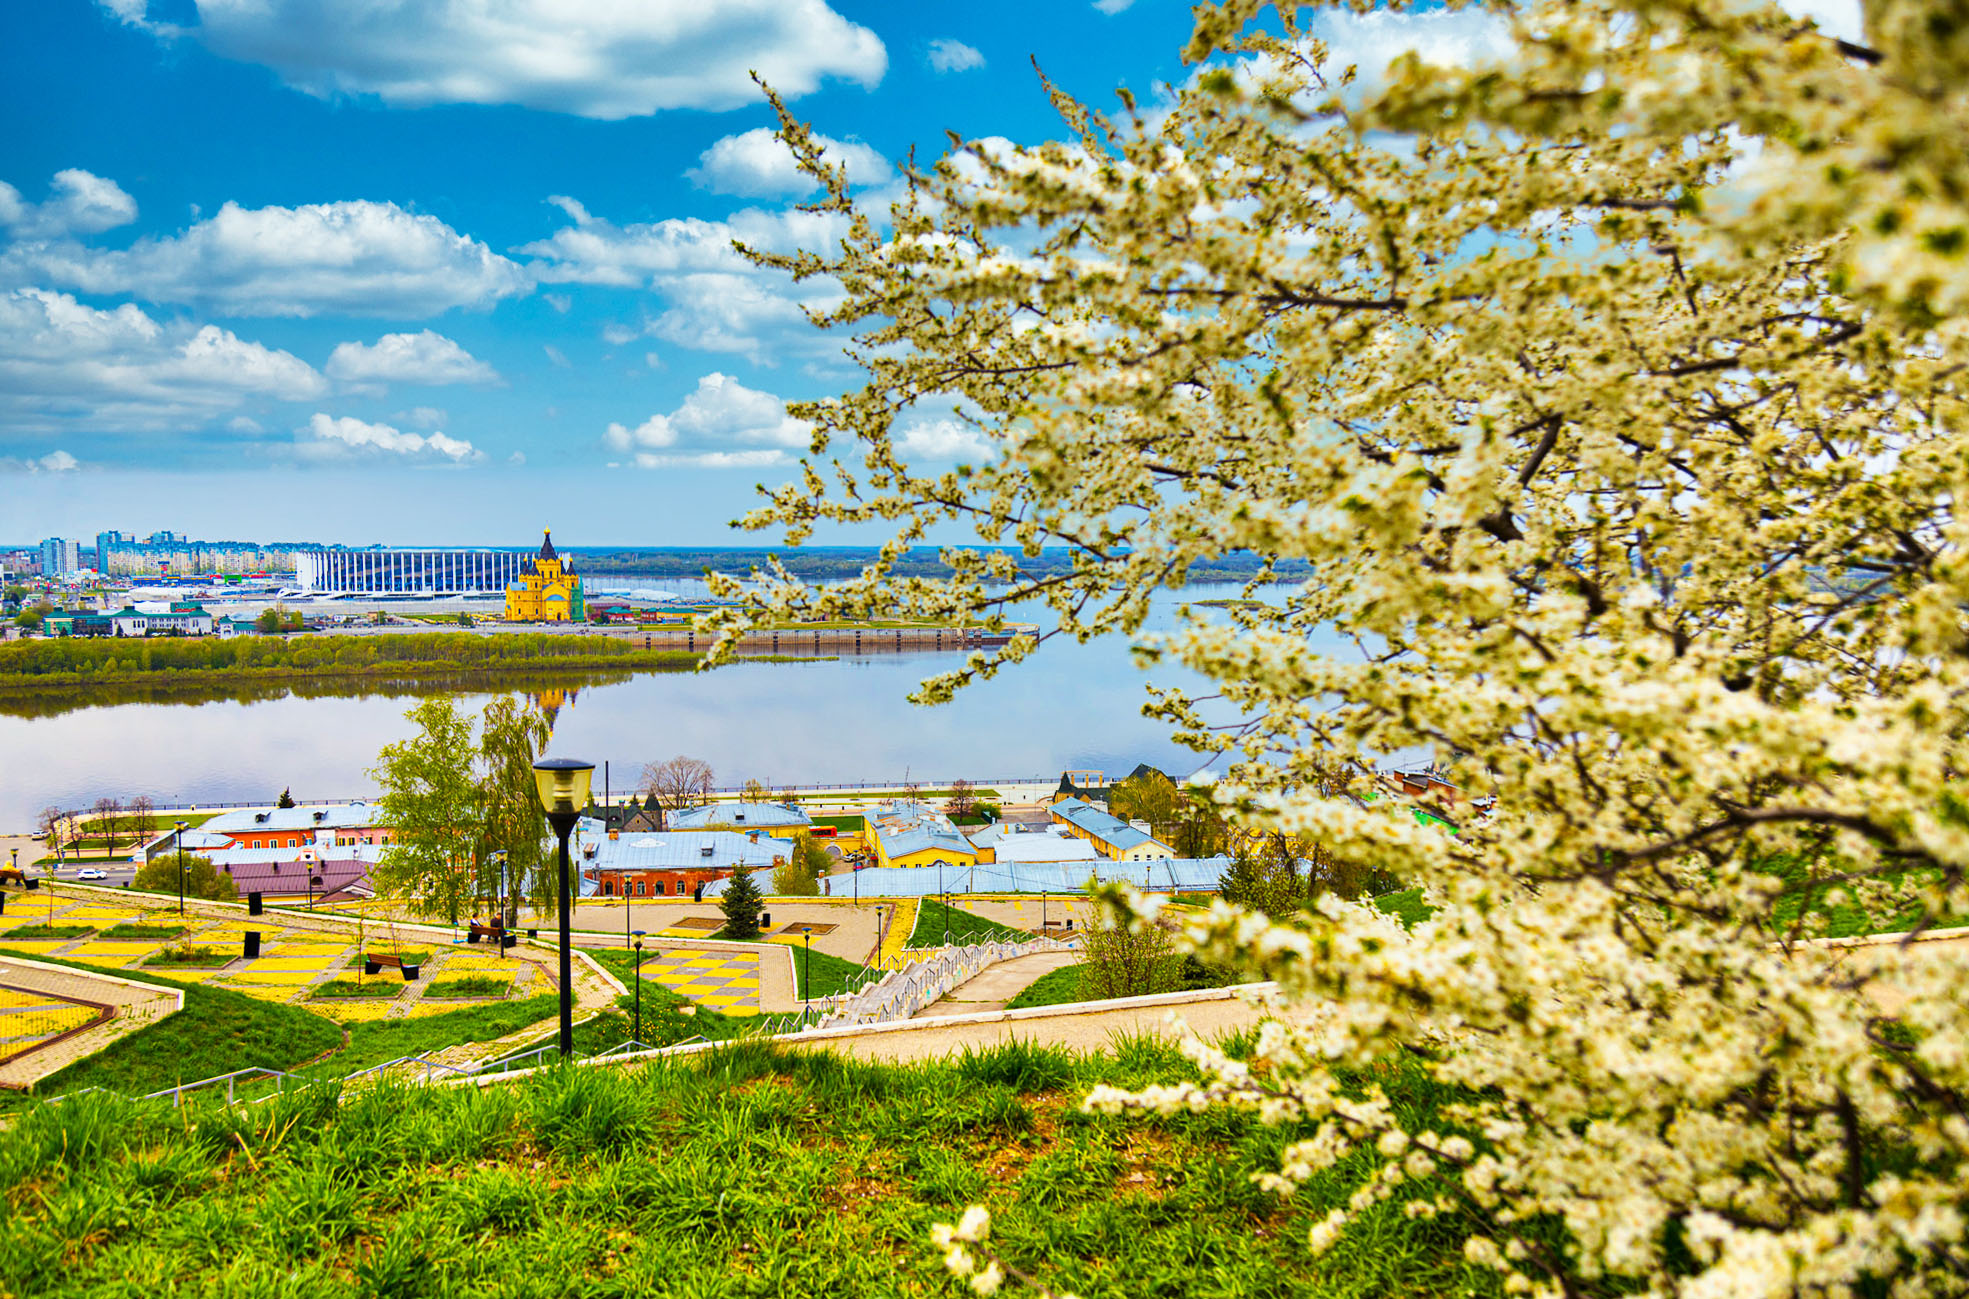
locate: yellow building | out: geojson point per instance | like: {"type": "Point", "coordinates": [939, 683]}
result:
{"type": "Point", "coordinates": [548, 594]}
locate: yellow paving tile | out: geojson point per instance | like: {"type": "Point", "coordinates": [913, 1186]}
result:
{"type": "Point", "coordinates": [742, 983]}
{"type": "Point", "coordinates": [118, 947]}
{"type": "Point", "coordinates": [289, 978]}
{"type": "Point", "coordinates": [34, 944]}
{"type": "Point", "coordinates": [307, 949]}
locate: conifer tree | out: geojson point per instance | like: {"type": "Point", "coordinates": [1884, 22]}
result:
{"type": "Point", "coordinates": [741, 904]}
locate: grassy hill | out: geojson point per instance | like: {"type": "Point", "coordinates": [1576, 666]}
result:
{"type": "Point", "coordinates": [744, 1171]}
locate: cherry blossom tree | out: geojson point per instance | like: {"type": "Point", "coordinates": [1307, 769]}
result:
{"type": "Point", "coordinates": [1613, 390]}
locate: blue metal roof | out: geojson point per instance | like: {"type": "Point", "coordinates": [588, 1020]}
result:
{"type": "Point", "coordinates": [751, 816]}
{"type": "Point", "coordinates": [1107, 828]}
{"type": "Point", "coordinates": [919, 838]}
{"type": "Point", "coordinates": [674, 849]}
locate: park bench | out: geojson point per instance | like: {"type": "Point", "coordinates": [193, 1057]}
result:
{"type": "Point", "coordinates": [494, 932]}
{"type": "Point", "coordinates": [373, 963]}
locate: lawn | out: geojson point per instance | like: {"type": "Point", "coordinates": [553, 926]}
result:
{"type": "Point", "coordinates": [372, 1042]}
{"type": "Point", "coordinates": [143, 931]}
{"type": "Point", "coordinates": [964, 927]}
{"type": "Point", "coordinates": [1053, 988]}
{"type": "Point", "coordinates": [217, 1032]}
{"type": "Point", "coordinates": [355, 989]}
{"type": "Point", "coordinates": [743, 1171]}
{"type": "Point", "coordinates": [831, 974]}
{"type": "Point", "coordinates": [471, 985]}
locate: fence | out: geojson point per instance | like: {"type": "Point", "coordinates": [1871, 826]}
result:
{"type": "Point", "coordinates": [902, 992]}
{"type": "Point", "coordinates": [895, 786]}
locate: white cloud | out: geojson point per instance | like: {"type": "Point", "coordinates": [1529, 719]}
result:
{"type": "Point", "coordinates": [55, 462]}
{"type": "Point", "coordinates": [78, 202]}
{"type": "Point", "coordinates": [358, 258]}
{"type": "Point", "coordinates": [427, 357]}
{"type": "Point", "coordinates": [607, 59]}
{"type": "Point", "coordinates": [713, 299]}
{"type": "Point", "coordinates": [595, 250]}
{"type": "Point", "coordinates": [63, 363]}
{"type": "Point", "coordinates": [327, 437]}
{"type": "Point", "coordinates": [757, 164]}
{"type": "Point", "coordinates": [517, 458]}
{"type": "Point", "coordinates": [557, 356]}
{"type": "Point", "coordinates": [941, 439]}
{"type": "Point", "coordinates": [721, 425]}
{"type": "Point", "coordinates": [245, 424]}
{"type": "Point", "coordinates": [423, 417]}
{"type": "Point", "coordinates": [1112, 7]}
{"type": "Point", "coordinates": [753, 316]}
{"type": "Point", "coordinates": [1442, 37]}
{"type": "Point", "coordinates": [947, 55]}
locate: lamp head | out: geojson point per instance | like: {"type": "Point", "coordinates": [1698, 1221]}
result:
{"type": "Point", "coordinates": [563, 783]}
{"type": "Point", "coordinates": [183, 824]}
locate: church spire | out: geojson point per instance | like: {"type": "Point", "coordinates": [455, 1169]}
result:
{"type": "Point", "coordinates": [547, 545]}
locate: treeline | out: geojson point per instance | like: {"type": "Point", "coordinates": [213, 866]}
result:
{"type": "Point", "coordinates": [820, 563]}
{"type": "Point", "coordinates": [78, 661]}
{"type": "Point", "coordinates": [40, 698]}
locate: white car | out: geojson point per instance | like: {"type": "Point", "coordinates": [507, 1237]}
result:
{"type": "Point", "coordinates": [92, 873]}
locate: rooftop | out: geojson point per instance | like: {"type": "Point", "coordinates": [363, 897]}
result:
{"type": "Point", "coordinates": [751, 816]}
{"type": "Point", "coordinates": [1107, 828]}
{"type": "Point", "coordinates": [317, 816]}
{"type": "Point", "coordinates": [675, 850]}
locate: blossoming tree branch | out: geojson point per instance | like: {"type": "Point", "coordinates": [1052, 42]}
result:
{"type": "Point", "coordinates": [1614, 392]}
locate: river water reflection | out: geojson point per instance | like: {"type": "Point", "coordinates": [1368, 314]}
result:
{"type": "Point", "coordinates": [835, 721]}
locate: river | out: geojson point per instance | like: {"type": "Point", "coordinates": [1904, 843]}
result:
{"type": "Point", "coordinates": [828, 722]}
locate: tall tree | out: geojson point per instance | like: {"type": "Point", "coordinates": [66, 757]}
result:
{"type": "Point", "coordinates": [109, 813]}
{"type": "Point", "coordinates": [511, 737]}
{"type": "Point", "coordinates": [53, 823]}
{"type": "Point", "coordinates": [431, 801]}
{"type": "Point", "coordinates": [682, 783]}
{"type": "Point", "coordinates": [1606, 394]}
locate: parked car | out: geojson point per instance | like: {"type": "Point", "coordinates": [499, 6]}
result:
{"type": "Point", "coordinates": [92, 873]}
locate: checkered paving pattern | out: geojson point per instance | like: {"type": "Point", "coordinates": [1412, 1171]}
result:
{"type": "Point", "coordinates": [724, 981]}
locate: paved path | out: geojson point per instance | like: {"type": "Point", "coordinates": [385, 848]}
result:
{"type": "Point", "coordinates": [137, 1006]}
{"type": "Point", "coordinates": [995, 985]}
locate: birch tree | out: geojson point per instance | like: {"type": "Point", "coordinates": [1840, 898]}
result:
{"type": "Point", "coordinates": [430, 800]}
{"type": "Point", "coordinates": [1613, 389]}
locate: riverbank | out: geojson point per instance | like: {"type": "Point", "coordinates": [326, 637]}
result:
{"type": "Point", "coordinates": [66, 664]}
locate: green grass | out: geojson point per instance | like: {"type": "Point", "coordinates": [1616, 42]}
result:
{"type": "Point", "coordinates": [188, 958]}
{"type": "Point", "coordinates": [216, 1032]}
{"type": "Point", "coordinates": [831, 974]}
{"type": "Point", "coordinates": [142, 931]}
{"type": "Point", "coordinates": [372, 1042]}
{"type": "Point", "coordinates": [742, 1171]}
{"type": "Point", "coordinates": [1406, 906]}
{"type": "Point", "coordinates": [350, 989]}
{"type": "Point", "coordinates": [1053, 988]}
{"type": "Point", "coordinates": [471, 985]}
{"type": "Point", "coordinates": [964, 927]}
{"type": "Point", "coordinates": [1823, 918]}
{"type": "Point", "coordinates": [411, 956]}
{"type": "Point", "coordinates": [48, 931]}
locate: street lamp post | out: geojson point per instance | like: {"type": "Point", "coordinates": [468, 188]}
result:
{"type": "Point", "coordinates": [563, 785]}
{"type": "Point", "coordinates": [181, 866]}
{"type": "Point", "coordinates": [807, 974]}
{"type": "Point", "coordinates": [946, 903]}
{"type": "Point", "coordinates": [637, 975]}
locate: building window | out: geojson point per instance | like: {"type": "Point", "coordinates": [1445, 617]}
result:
{"type": "Point", "coordinates": [639, 888]}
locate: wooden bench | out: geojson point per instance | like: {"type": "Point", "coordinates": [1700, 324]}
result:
{"type": "Point", "coordinates": [373, 963]}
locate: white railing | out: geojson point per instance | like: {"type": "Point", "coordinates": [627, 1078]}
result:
{"type": "Point", "coordinates": [902, 992]}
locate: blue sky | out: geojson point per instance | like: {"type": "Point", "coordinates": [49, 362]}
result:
{"type": "Point", "coordinates": [416, 271]}
{"type": "Point", "coordinates": [268, 271]}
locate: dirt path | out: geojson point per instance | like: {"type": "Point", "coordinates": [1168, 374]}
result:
{"type": "Point", "coordinates": [995, 985]}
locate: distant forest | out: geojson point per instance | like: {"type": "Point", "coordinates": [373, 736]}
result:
{"type": "Point", "coordinates": [818, 563]}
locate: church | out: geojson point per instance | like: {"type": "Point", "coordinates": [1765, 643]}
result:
{"type": "Point", "coordinates": [548, 594]}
